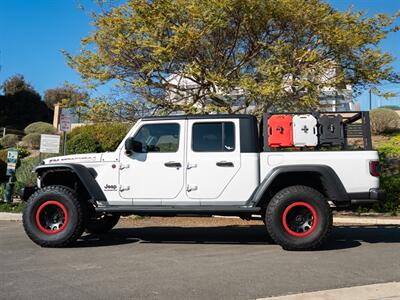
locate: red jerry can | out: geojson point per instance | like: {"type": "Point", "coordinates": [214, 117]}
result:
{"type": "Point", "coordinates": [280, 131]}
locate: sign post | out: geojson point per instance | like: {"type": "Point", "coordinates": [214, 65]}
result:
{"type": "Point", "coordinates": [12, 160]}
{"type": "Point", "coordinates": [65, 126]}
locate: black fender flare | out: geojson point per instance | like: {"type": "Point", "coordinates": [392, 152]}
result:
{"type": "Point", "coordinates": [330, 179]}
{"type": "Point", "coordinates": [83, 173]}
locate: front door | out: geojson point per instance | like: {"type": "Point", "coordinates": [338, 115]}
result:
{"type": "Point", "coordinates": [213, 157]}
{"type": "Point", "coordinates": [158, 172]}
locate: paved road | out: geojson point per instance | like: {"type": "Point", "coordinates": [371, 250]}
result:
{"type": "Point", "coordinates": [225, 262]}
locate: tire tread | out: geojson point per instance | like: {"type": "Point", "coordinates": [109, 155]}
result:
{"type": "Point", "coordinates": [65, 192]}
{"type": "Point", "coordinates": [273, 207]}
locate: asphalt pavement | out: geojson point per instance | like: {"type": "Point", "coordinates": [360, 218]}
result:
{"type": "Point", "coordinates": [217, 262]}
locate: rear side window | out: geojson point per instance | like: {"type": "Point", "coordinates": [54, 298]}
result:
{"type": "Point", "coordinates": [213, 137]}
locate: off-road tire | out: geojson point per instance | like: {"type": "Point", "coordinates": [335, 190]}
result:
{"type": "Point", "coordinates": [66, 199]}
{"type": "Point", "coordinates": [102, 224]}
{"type": "Point", "coordinates": [280, 206]}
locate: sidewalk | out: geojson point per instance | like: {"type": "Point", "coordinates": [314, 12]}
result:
{"type": "Point", "coordinates": [388, 291]}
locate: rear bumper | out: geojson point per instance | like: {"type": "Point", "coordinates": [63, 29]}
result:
{"type": "Point", "coordinates": [371, 197]}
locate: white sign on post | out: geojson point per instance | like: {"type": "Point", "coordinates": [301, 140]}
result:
{"type": "Point", "coordinates": [49, 143]}
{"type": "Point", "coordinates": [65, 123]}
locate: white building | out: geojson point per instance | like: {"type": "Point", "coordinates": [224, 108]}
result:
{"type": "Point", "coordinates": [331, 99]}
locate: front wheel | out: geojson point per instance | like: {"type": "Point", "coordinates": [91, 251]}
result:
{"type": "Point", "coordinates": [54, 217]}
{"type": "Point", "coordinates": [298, 218]}
{"type": "Point", "coordinates": [102, 224]}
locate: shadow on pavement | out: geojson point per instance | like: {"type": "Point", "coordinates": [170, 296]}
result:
{"type": "Point", "coordinates": [342, 237]}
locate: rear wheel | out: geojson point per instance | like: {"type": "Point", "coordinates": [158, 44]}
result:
{"type": "Point", "coordinates": [102, 224]}
{"type": "Point", "coordinates": [298, 218]}
{"type": "Point", "coordinates": [53, 217]}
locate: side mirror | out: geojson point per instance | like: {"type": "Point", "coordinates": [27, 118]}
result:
{"type": "Point", "coordinates": [131, 145]}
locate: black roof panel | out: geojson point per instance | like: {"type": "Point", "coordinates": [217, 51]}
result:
{"type": "Point", "coordinates": [189, 117]}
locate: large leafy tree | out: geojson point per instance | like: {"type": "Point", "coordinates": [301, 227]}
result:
{"type": "Point", "coordinates": [67, 95]}
{"type": "Point", "coordinates": [21, 104]}
{"type": "Point", "coordinates": [199, 55]}
{"type": "Point", "coordinates": [16, 84]}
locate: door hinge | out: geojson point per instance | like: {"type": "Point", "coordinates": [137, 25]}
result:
{"type": "Point", "coordinates": [191, 188]}
{"type": "Point", "coordinates": [189, 166]}
{"type": "Point", "coordinates": [122, 166]}
{"type": "Point", "coordinates": [124, 188]}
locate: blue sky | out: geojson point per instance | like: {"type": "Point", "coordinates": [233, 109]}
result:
{"type": "Point", "coordinates": [32, 34]}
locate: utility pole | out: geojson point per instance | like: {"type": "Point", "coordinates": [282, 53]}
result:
{"type": "Point", "coordinates": [370, 99]}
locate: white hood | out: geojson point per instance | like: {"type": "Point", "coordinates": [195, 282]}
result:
{"type": "Point", "coordinates": [75, 158]}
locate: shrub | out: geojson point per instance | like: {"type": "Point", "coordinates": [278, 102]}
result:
{"type": "Point", "coordinates": [107, 135]}
{"type": "Point", "coordinates": [2, 190]}
{"type": "Point", "coordinates": [110, 135]}
{"type": "Point", "coordinates": [32, 140]}
{"type": "Point", "coordinates": [40, 127]}
{"type": "Point", "coordinates": [9, 140]}
{"type": "Point", "coordinates": [23, 152]}
{"type": "Point", "coordinates": [389, 154]}
{"type": "Point", "coordinates": [3, 165]}
{"type": "Point", "coordinates": [16, 207]}
{"type": "Point", "coordinates": [82, 143]}
{"type": "Point", "coordinates": [391, 184]}
{"type": "Point", "coordinates": [393, 107]}
{"type": "Point", "coordinates": [383, 119]}
{"type": "Point", "coordinates": [24, 174]}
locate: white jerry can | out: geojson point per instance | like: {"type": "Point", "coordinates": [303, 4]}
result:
{"type": "Point", "coordinates": [305, 130]}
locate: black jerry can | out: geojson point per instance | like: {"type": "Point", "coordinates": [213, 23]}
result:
{"type": "Point", "coordinates": [331, 130]}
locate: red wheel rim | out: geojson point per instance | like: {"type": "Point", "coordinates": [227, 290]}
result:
{"type": "Point", "coordinates": [51, 217]}
{"type": "Point", "coordinates": [300, 219]}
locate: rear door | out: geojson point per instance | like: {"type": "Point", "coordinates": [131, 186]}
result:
{"type": "Point", "coordinates": [213, 156]}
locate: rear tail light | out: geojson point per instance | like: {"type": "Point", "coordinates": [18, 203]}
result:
{"type": "Point", "coordinates": [374, 168]}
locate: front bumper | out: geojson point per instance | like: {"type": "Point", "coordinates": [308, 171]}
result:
{"type": "Point", "coordinates": [371, 197]}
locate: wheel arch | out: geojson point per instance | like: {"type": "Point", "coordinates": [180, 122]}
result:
{"type": "Point", "coordinates": [72, 173]}
{"type": "Point", "coordinates": [320, 177]}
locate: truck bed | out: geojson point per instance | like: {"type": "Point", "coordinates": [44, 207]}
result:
{"type": "Point", "coordinates": [352, 167]}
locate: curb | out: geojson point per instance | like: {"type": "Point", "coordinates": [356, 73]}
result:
{"type": "Point", "coordinates": [336, 220]}
{"type": "Point", "coordinates": [10, 216]}
{"type": "Point", "coordinates": [366, 221]}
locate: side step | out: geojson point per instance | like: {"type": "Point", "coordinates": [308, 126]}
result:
{"type": "Point", "coordinates": [181, 210]}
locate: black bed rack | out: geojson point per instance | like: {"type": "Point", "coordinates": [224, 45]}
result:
{"type": "Point", "coordinates": [356, 125]}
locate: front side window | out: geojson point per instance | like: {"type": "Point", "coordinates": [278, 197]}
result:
{"type": "Point", "coordinates": [213, 137]}
{"type": "Point", "coordinates": [159, 137]}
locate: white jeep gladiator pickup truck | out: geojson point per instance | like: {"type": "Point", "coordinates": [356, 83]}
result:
{"type": "Point", "coordinates": [201, 165]}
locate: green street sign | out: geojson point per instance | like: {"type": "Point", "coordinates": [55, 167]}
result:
{"type": "Point", "coordinates": [12, 159]}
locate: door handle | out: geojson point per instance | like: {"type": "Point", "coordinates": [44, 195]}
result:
{"type": "Point", "coordinates": [173, 164]}
{"type": "Point", "coordinates": [224, 163]}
